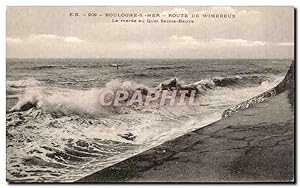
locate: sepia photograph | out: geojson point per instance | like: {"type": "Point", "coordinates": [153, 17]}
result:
{"type": "Point", "coordinates": [150, 94]}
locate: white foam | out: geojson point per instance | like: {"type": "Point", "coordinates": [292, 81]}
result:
{"type": "Point", "coordinates": [29, 82]}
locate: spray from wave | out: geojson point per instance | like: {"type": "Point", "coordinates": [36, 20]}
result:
{"type": "Point", "coordinates": [86, 102]}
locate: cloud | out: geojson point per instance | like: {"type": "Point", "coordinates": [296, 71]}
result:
{"type": "Point", "coordinates": [285, 44]}
{"type": "Point", "coordinates": [53, 46]}
{"type": "Point", "coordinates": [46, 46]}
{"type": "Point", "coordinates": [189, 40]}
{"type": "Point", "coordinates": [186, 40]}
{"type": "Point", "coordinates": [13, 40]}
{"type": "Point", "coordinates": [44, 38]}
{"type": "Point", "coordinates": [238, 42]}
{"type": "Point", "coordinates": [72, 39]}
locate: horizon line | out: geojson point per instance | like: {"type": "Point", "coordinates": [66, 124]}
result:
{"type": "Point", "coordinates": [290, 58]}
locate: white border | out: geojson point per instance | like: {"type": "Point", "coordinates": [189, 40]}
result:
{"type": "Point", "coordinates": [5, 3]}
{"type": "Point", "coordinates": [155, 2]}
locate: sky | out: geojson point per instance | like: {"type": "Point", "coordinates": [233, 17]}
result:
{"type": "Point", "coordinates": [49, 32]}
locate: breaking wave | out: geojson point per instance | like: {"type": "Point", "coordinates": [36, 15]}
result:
{"type": "Point", "coordinates": [86, 102]}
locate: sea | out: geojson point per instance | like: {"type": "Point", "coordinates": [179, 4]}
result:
{"type": "Point", "coordinates": [67, 134]}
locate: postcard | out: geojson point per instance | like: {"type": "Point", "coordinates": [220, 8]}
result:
{"type": "Point", "coordinates": [150, 94]}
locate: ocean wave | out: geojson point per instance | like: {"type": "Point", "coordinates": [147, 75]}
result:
{"type": "Point", "coordinates": [68, 101]}
{"type": "Point", "coordinates": [42, 67]}
{"type": "Point", "coordinates": [86, 102]}
{"type": "Point", "coordinates": [85, 66]}
{"type": "Point", "coordinates": [29, 82]}
{"type": "Point", "coordinates": [205, 84]}
{"type": "Point", "coordinates": [167, 67]}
